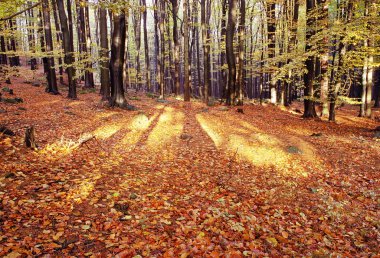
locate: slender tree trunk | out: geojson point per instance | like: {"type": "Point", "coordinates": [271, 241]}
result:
{"type": "Point", "coordinates": [175, 8]}
{"type": "Point", "coordinates": [205, 20]}
{"type": "Point", "coordinates": [59, 37]}
{"type": "Point", "coordinates": [232, 17]}
{"type": "Point", "coordinates": [68, 47]}
{"type": "Point", "coordinates": [103, 53]}
{"type": "Point", "coordinates": [240, 79]}
{"type": "Point", "coordinates": [146, 47]}
{"type": "Point", "coordinates": [31, 38]}
{"type": "Point", "coordinates": [89, 76]}
{"type": "Point", "coordinates": [51, 77]}
{"type": "Point", "coordinates": [117, 60]}
{"type": "Point", "coordinates": [271, 23]}
{"type": "Point", "coordinates": [137, 30]}
{"type": "Point", "coordinates": [223, 33]}
{"type": "Point", "coordinates": [186, 50]}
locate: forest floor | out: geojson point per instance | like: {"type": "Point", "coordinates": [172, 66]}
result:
{"type": "Point", "coordinates": [177, 179]}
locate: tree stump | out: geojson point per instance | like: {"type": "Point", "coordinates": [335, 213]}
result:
{"type": "Point", "coordinates": [30, 138]}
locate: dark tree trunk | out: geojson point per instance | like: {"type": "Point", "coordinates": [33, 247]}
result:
{"type": "Point", "coordinates": [117, 61]}
{"type": "Point", "coordinates": [271, 21]}
{"type": "Point", "coordinates": [309, 104]}
{"type": "Point", "coordinates": [232, 17]}
{"type": "Point", "coordinates": [68, 47]}
{"type": "Point", "coordinates": [103, 53]}
{"type": "Point", "coordinates": [223, 33]}
{"type": "Point", "coordinates": [186, 50]}
{"type": "Point", "coordinates": [59, 37]}
{"type": "Point", "coordinates": [175, 8]}
{"type": "Point", "coordinates": [51, 77]}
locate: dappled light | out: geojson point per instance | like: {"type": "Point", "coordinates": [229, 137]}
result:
{"type": "Point", "coordinates": [249, 143]}
{"type": "Point", "coordinates": [168, 128]}
{"type": "Point", "coordinates": [210, 128]}
{"type": "Point", "coordinates": [107, 131]}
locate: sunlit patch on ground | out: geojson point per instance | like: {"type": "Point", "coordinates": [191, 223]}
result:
{"type": "Point", "coordinates": [80, 192]}
{"type": "Point", "coordinates": [106, 131]}
{"type": "Point", "coordinates": [247, 142]}
{"type": "Point", "coordinates": [136, 128]}
{"type": "Point", "coordinates": [169, 126]}
{"type": "Point", "coordinates": [62, 147]}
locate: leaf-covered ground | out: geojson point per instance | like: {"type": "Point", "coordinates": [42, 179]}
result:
{"type": "Point", "coordinates": [185, 180]}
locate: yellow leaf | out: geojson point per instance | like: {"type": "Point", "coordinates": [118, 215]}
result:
{"type": "Point", "coordinates": [272, 241]}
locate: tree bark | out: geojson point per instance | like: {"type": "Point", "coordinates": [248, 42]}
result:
{"type": "Point", "coordinates": [117, 60]}
{"type": "Point", "coordinates": [240, 79]}
{"type": "Point", "coordinates": [232, 17]}
{"type": "Point", "coordinates": [51, 76]}
{"type": "Point", "coordinates": [186, 50]}
{"type": "Point", "coordinates": [309, 104]}
{"type": "Point", "coordinates": [146, 45]}
{"type": "Point", "coordinates": [68, 47]}
{"type": "Point", "coordinates": [103, 53]}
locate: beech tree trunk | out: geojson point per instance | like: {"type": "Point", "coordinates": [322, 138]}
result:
{"type": "Point", "coordinates": [186, 50]}
{"type": "Point", "coordinates": [117, 61]}
{"type": "Point", "coordinates": [146, 45]}
{"type": "Point", "coordinates": [51, 76]}
{"type": "Point", "coordinates": [309, 104]}
{"type": "Point", "coordinates": [68, 47]}
{"type": "Point", "coordinates": [232, 17]}
{"type": "Point", "coordinates": [103, 53]}
{"type": "Point", "coordinates": [240, 79]}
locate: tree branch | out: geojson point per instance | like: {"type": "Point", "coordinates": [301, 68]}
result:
{"type": "Point", "coordinates": [20, 12]}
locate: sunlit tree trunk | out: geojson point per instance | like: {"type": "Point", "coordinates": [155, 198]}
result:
{"type": "Point", "coordinates": [240, 78]}
{"type": "Point", "coordinates": [271, 29]}
{"type": "Point", "coordinates": [103, 53]}
{"type": "Point", "coordinates": [31, 38]}
{"type": "Point", "coordinates": [146, 45]}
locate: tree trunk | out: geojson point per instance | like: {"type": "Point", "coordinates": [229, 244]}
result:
{"type": "Point", "coordinates": [51, 77]}
{"type": "Point", "coordinates": [31, 38]}
{"type": "Point", "coordinates": [103, 53]}
{"type": "Point", "coordinates": [232, 17]}
{"type": "Point", "coordinates": [117, 61]}
{"type": "Point", "coordinates": [186, 50]}
{"type": "Point", "coordinates": [146, 45]}
{"type": "Point", "coordinates": [68, 47]}
{"type": "Point", "coordinates": [59, 37]}
{"type": "Point", "coordinates": [89, 76]}
{"type": "Point", "coordinates": [240, 79]}
{"type": "Point", "coordinates": [175, 8]}
{"type": "Point", "coordinates": [137, 30]}
{"type": "Point", "coordinates": [205, 20]}
{"type": "Point", "coordinates": [309, 104]}
{"type": "Point", "coordinates": [271, 23]}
